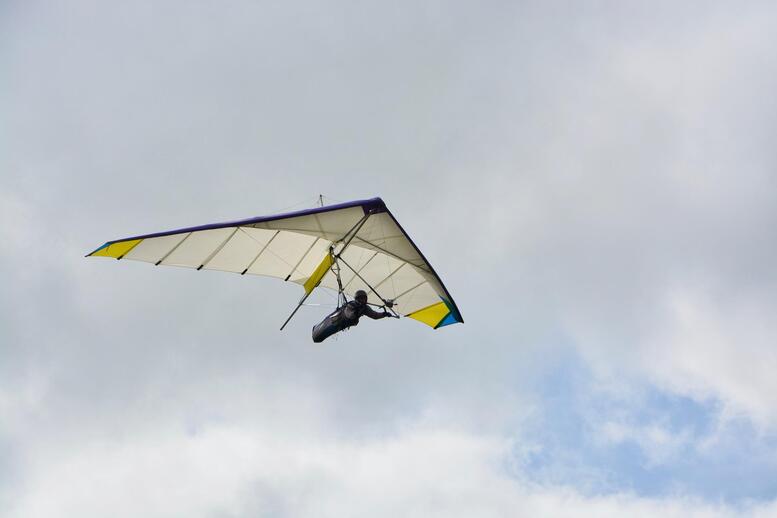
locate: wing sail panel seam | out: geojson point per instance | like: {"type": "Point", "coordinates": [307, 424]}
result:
{"type": "Point", "coordinates": [260, 251]}
{"type": "Point", "coordinates": [173, 249]}
{"type": "Point", "coordinates": [217, 250]}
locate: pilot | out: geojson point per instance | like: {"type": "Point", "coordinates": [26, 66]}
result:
{"type": "Point", "coordinates": [346, 316]}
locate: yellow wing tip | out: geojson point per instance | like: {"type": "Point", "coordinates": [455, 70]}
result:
{"type": "Point", "coordinates": [115, 250]}
{"type": "Point", "coordinates": [431, 315]}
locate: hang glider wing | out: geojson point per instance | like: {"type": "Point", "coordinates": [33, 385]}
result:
{"type": "Point", "coordinates": [296, 247]}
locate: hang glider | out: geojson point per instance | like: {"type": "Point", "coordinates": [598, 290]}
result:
{"type": "Point", "coordinates": [351, 246]}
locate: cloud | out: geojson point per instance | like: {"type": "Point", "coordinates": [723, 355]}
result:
{"type": "Point", "coordinates": [723, 349]}
{"type": "Point", "coordinates": [227, 470]}
{"type": "Point", "coordinates": [593, 183]}
{"type": "Point", "coordinates": [643, 225]}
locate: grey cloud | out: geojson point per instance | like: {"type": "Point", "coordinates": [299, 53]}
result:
{"type": "Point", "coordinates": [566, 168]}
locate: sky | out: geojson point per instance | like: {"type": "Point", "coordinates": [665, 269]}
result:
{"type": "Point", "coordinates": [594, 181]}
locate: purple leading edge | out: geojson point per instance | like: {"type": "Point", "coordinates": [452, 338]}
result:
{"type": "Point", "coordinates": [374, 204]}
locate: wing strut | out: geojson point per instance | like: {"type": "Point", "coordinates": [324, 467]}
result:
{"type": "Point", "coordinates": [386, 303]}
{"type": "Point", "coordinates": [346, 240]}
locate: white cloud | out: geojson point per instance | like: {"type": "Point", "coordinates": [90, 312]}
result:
{"type": "Point", "coordinates": [594, 177]}
{"type": "Point", "coordinates": [646, 229]}
{"type": "Point", "coordinates": [243, 471]}
{"type": "Point", "coordinates": [724, 349]}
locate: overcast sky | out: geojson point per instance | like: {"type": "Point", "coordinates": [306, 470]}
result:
{"type": "Point", "coordinates": [594, 181]}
